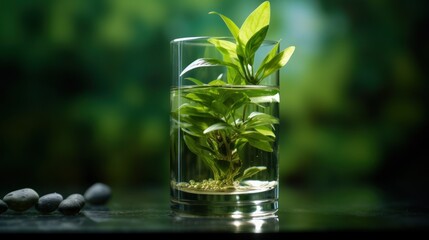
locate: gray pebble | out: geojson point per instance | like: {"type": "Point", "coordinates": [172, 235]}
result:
{"type": "Point", "coordinates": [98, 194]}
{"type": "Point", "coordinates": [72, 204]}
{"type": "Point", "coordinates": [3, 206]}
{"type": "Point", "coordinates": [21, 200]}
{"type": "Point", "coordinates": [49, 202]}
{"type": "Point", "coordinates": [79, 198]}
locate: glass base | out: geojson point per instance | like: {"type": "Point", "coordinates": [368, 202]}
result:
{"type": "Point", "coordinates": [266, 224]}
{"type": "Point", "coordinates": [235, 206]}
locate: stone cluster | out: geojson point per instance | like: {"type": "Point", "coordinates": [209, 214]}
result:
{"type": "Point", "coordinates": [23, 199]}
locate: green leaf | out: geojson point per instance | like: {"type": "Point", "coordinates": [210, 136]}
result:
{"type": "Point", "coordinates": [217, 126]}
{"type": "Point", "coordinates": [232, 100]}
{"type": "Point", "coordinates": [257, 20]}
{"type": "Point", "coordinates": [277, 62]}
{"type": "Point", "coordinates": [266, 131]}
{"type": "Point", "coordinates": [203, 153]}
{"type": "Point", "coordinates": [269, 56]}
{"type": "Point", "coordinates": [261, 117]}
{"type": "Point", "coordinates": [240, 143]}
{"type": "Point", "coordinates": [193, 145]}
{"type": "Point", "coordinates": [226, 48]}
{"type": "Point", "coordinates": [241, 52]}
{"type": "Point", "coordinates": [202, 62]}
{"type": "Point", "coordinates": [230, 24]}
{"type": "Point", "coordinates": [200, 98]}
{"type": "Point", "coordinates": [228, 51]}
{"type": "Point", "coordinates": [262, 145]}
{"type": "Point", "coordinates": [193, 131]}
{"type": "Point", "coordinates": [254, 43]}
{"type": "Point", "coordinates": [260, 92]}
{"type": "Point", "coordinates": [249, 135]}
{"type": "Point", "coordinates": [218, 107]}
{"type": "Point", "coordinates": [217, 82]}
{"type": "Point", "coordinates": [252, 171]}
{"type": "Point", "coordinates": [187, 109]}
{"type": "Point", "coordinates": [258, 140]}
{"type": "Point", "coordinates": [196, 125]}
{"type": "Point", "coordinates": [239, 102]}
{"type": "Point", "coordinates": [234, 78]}
{"type": "Point", "coordinates": [195, 114]}
{"type": "Point", "coordinates": [272, 53]}
{"type": "Point", "coordinates": [194, 80]}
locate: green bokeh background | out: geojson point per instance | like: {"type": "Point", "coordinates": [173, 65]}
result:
{"type": "Point", "coordinates": [84, 95]}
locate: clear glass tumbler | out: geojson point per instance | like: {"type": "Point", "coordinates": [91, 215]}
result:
{"type": "Point", "coordinates": [223, 137]}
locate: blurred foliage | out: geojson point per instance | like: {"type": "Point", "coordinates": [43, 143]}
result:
{"type": "Point", "coordinates": [85, 88]}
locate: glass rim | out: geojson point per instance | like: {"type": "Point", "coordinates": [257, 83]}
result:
{"type": "Point", "coordinates": [198, 40]}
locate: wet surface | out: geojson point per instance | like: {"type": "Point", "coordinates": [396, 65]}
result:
{"type": "Point", "coordinates": [148, 211]}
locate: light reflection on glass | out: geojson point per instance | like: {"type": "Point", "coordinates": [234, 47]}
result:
{"type": "Point", "coordinates": [253, 225]}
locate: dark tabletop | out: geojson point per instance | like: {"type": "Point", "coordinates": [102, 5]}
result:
{"type": "Point", "coordinates": [147, 211]}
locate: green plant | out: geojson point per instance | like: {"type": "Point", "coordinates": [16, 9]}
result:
{"type": "Point", "coordinates": [216, 122]}
{"type": "Point", "coordinates": [239, 56]}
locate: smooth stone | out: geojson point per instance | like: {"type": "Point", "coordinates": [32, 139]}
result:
{"type": "Point", "coordinates": [49, 202]}
{"type": "Point", "coordinates": [98, 194]}
{"type": "Point", "coordinates": [72, 204]}
{"type": "Point", "coordinates": [3, 206]}
{"type": "Point", "coordinates": [79, 198]}
{"type": "Point", "coordinates": [22, 199]}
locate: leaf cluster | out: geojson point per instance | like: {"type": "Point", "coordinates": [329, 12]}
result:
{"type": "Point", "coordinates": [216, 122]}
{"type": "Point", "coordinates": [217, 127]}
{"type": "Point", "coordinates": [239, 55]}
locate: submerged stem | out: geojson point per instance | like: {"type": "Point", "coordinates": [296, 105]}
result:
{"type": "Point", "coordinates": [244, 113]}
{"type": "Point", "coordinates": [227, 147]}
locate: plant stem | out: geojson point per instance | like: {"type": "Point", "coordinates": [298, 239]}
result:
{"type": "Point", "coordinates": [227, 147]}
{"type": "Point", "coordinates": [245, 70]}
{"type": "Point", "coordinates": [244, 113]}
